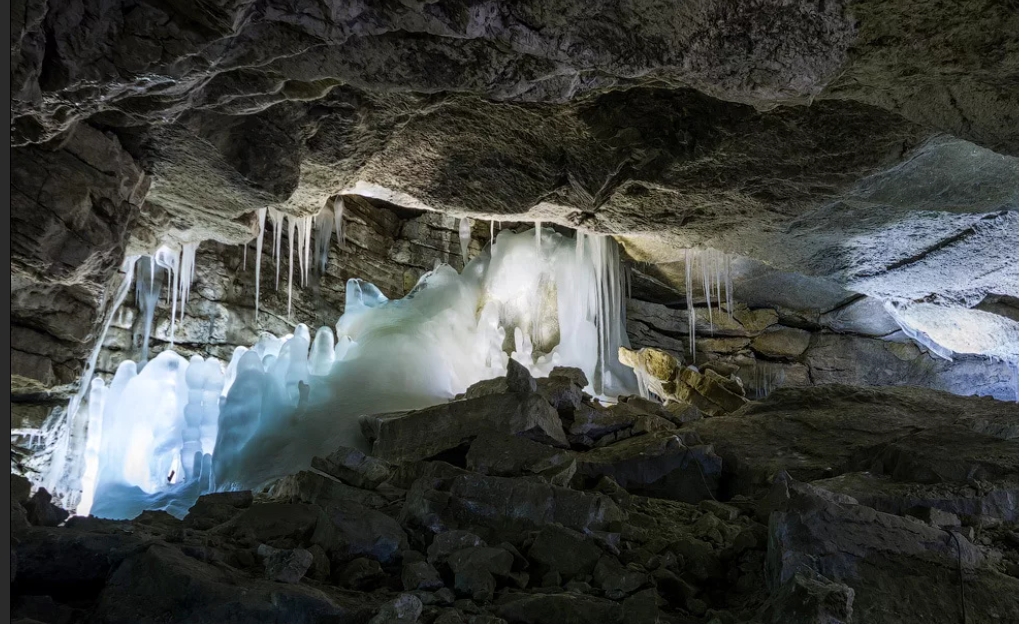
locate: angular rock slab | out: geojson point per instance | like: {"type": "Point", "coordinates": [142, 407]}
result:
{"type": "Point", "coordinates": [411, 436]}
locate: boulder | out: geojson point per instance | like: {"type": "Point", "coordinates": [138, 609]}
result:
{"type": "Point", "coordinates": [564, 551]}
{"type": "Point", "coordinates": [283, 525]}
{"type": "Point", "coordinates": [617, 580]}
{"type": "Point", "coordinates": [285, 565]}
{"type": "Point", "coordinates": [781, 342]}
{"type": "Point", "coordinates": [809, 598]}
{"type": "Point", "coordinates": [445, 544]}
{"type": "Point", "coordinates": [657, 464]}
{"type": "Point", "coordinates": [148, 587]}
{"type": "Point", "coordinates": [561, 393]}
{"type": "Point", "coordinates": [505, 455]}
{"type": "Point", "coordinates": [320, 489]}
{"type": "Point", "coordinates": [557, 609]}
{"type": "Point", "coordinates": [404, 609]}
{"type": "Point", "coordinates": [353, 467]}
{"type": "Point", "coordinates": [411, 436]}
{"type": "Point", "coordinates": [363, 532]}
{"type": "Point", "coordinates": [420, 575]}
{"type": "Point", "coordinates": [56, 561]}
{"type": "Point", "coordinates": [360, 574]}
{"type": "Point", "coordinates": [40, 510]}
{"type": "Point", "coordinates": [214, 509]}
{"type": "Point", "coordinates": [898, 568]}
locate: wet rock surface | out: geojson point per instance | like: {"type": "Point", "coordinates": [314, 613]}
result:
{"type": "Point", "coordinates": [792, 530]}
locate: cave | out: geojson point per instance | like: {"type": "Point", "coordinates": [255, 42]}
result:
{"type": "Point", "coordinates": [514, 312]}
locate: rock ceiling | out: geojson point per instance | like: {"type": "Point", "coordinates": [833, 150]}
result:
{"type": "Point", "coordinates": [872, 143]}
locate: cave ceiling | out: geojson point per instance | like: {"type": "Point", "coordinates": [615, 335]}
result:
{"type": "Point", "coordinates": [873, 144]}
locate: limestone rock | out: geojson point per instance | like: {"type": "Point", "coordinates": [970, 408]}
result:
{"type": "Point", "coordinates": [420, 575]}
{"type": "Point", "coordinates": [41, 511]}
{"type": "Point", "coordinates": [657, 464]}
{"type": "Point", "coordinates": [425, 433]}
{"type": "Point", "coordinates": [361, 574]}
{"type": "Point", "coordinates": [564, 551]}
{"type": "Point", "coordinates": [558, 609]}
{"type": "Point", "coordinates": [325, 491]}
{"type": "Point", "coordinates": [353, 467]}
{"type": "Point", "coordinates": [405, 609]}
{"type": "Point", "coordinates": [445, 544]}
{"type": "Point", "coordinates": [507, 456]}
{"type": "Point", "coordinates": [782, 342]}
{"type": "Point", "coordinates": [213, 509]}
{"type": "Point", "coordinates": [808, 598]}
{"type": "Point", "coordinates": [285, 565]}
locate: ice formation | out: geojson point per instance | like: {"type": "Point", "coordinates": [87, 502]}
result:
{"type": "Point", "coordinates": [465, 237]}
{"type": "Point", "coordinates": [715, 272]}
{"type": "Point", "coordinates": [167, 431]}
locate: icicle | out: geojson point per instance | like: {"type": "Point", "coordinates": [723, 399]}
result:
{"type": "Point", "coordinates": [277, 231]}
{"type": "Point", "coordinates": [491, 234]}
{"type": "Point", "coordinates": [245, 247]}
{"type": "Point", "coordinates": [537, 235]}
{"type": "Point", "coordinates": [258, 255]}
{"type": "Point", "coordinates": [706, 279]}
{"type": "Point", "coordinates": [338, 208]}
{"type": "Point", "coordinates": [290, 279]}
{"type": "Point", "coordinates": [187, 274]}
{"type": "Point", "coordinates": [465, 238]}
{"type": "Point", "coordinates": [149, 283]}
{"type": "Point", "coordinates": [323, 234]}
{"type": "Point", "coordinates": [690, 314]}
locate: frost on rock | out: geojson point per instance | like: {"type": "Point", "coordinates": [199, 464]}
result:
{"type": "Point", "coordinates": [173, 429]}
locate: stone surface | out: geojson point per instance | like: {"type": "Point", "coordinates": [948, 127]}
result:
{"type": "Point", "coordinates": [509, 456]}
{"type": "Point", "coordinates": [657, 464]}
{"type": "Point", "coordinates": [285, 565]}
{"type": "Point", "coordinates": [425, 433]}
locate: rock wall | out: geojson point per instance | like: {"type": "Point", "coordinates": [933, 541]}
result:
{"type": "Point", "coordinates": [386, 245]}
{"type": "Point", "coordinates": [854, 341]}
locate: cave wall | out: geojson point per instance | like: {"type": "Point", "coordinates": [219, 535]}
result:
{"type": "Point", "coordinates": [385, 245]}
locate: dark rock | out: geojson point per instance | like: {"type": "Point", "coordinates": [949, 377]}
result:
{"type": "Point", "coordinates": [781, 342]}
{"type": "Point", "coordinates": [285, 565]}
{"type": "Point", "coordinates": [445, 544]}
{"type": "Point", "coordinates": [656, 464]}
{"type": "Point", "coordinates": [213, 509]}
{"type": "Point", "coordinates": [59, 561]}
{"type": "Point", "coordinates": [565, 551]}
{"type": "Point", "coordinates": [360, 531]}
{"type": "Point", "coordinates": [406, 609]}
{"type": "Point", "coordinates": [41, 511]}
{"type": "Point", "coordinates": [510, 456]}
{"type": "Point", "coordinates": [283, 525]}
{"type": "Point", "coordinates": [642, 607]}
{"type": "Point", "coordinates": [808, 598]}
{"type": "Point", "coordinates": [140, 591]}
{"type": "Point", "coordinates": [561, 393]}
{"type": "Point", "coordinates": [325, 491]}
{"type": "Point", "coordinates": [870, 551]}
{"type": "Point", "coordinates": [557, 609]}
{"type": "Point", "coordinates": [574, 374]}
{"type": "Point", "coordinates": [701, 561]}
{"type": "Point", "coordinates": [616, 580]}
{"type": "Point", "coordinates": [411, 436]}
{"type": "Point", "coordinates": [518, 379]}
{"type": "Point", "coordinates": [360, 574]}
{"type": "Point", "coordinates": [353, 467]}
{"type": "Point", "coordinates": [420, 575]}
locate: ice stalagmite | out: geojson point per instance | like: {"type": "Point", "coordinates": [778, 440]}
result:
{"type": "Point", "coordinates": [465, 237]}
{"type": "Point", "coordinates": [258, 255]}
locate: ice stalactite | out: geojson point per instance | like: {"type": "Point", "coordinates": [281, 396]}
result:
{"type": "Point", "coordinates": [187, 274]}
{"type": "Point", "coordinates": [715, 270]}
{"type": "Point", "coordinates": [148, 285]}
{"type": "Point", "coordinates": [338, 221]}
{"type": "Point", "coordinates": [244, 263]}
{"type": "Point", "coordinates": [761, 377]}
{"type": "Point", "coordinates": [465, 238]}
{"type": "Point", "coordinates": [258, 256]}
{"type": "Point", "coordinates": [276, 217]}
{"type": "Point", "coordinates": [491, 233]}
{"type": "Point", "coordinates": [286, 400]}
{"type": "Point", "coordinates": [324, 223]}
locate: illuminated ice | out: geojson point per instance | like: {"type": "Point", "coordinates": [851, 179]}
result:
{"type": "Point", "coordinates": [286, 400]}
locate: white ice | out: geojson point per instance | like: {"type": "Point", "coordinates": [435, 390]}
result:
{"type": "Point", "coordinates": [284, 401]}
